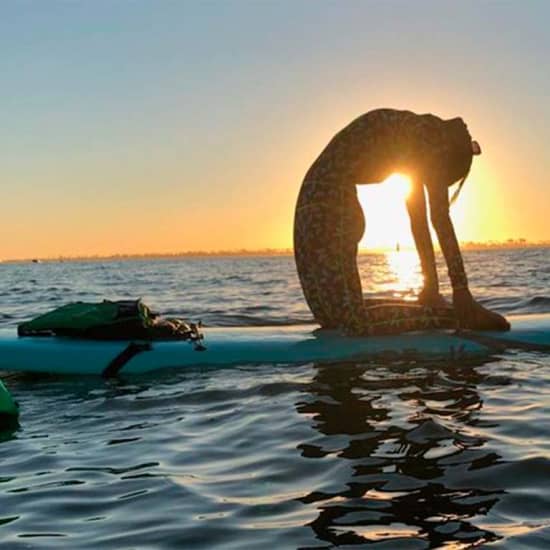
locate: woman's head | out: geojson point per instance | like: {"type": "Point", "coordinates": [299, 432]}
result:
{"type": "Point", "coordinates": [460, 150]}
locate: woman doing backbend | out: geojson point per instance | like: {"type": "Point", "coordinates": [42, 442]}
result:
{"type": "Point", "coordinates": [329, 222]}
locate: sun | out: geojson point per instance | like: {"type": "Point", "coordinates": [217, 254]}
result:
{"type": "Point", "coordinates": [384, 205]}
{"type": "Point", "coordinates": [400, 185]}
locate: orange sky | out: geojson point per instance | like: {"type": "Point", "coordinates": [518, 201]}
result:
{"type": "Point", "coordinates": [175, 131]}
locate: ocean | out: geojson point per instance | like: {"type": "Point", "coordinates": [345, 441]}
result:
{"type": "Point", "coordinates": [389, 455]}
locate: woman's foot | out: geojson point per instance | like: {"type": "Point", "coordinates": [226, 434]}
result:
{"type": "Point", "coordinates": [474, 316]}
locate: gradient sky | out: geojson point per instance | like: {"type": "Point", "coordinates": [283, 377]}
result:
{"type": "Point", "coordinates": [156, 126]}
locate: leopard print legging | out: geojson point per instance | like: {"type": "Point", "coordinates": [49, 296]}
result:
{"type": "Point", "coordinates": [328, 226]}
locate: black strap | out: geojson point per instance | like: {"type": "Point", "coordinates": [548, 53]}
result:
{"type": "Point", "coordinates": [130, 351]}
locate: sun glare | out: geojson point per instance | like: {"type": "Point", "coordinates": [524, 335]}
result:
{"type": "Point", "coordinates": [387, 222]}
{"type": "Point", "coordinates": [400, 184]}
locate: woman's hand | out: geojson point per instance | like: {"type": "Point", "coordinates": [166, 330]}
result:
{"type": "Point", "coordinates": [432, 298]}
{"type": "Point", "coordinates": [474, 316]}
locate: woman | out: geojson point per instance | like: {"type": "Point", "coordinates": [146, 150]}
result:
{"type": "Point", "coordinates": [329, 222]}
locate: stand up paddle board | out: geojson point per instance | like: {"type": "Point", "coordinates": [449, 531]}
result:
{"type": "Point", "coordinates": [225, 347]}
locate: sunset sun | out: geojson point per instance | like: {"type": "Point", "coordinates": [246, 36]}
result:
{"type": "Point", "coordinates": [398, 186]}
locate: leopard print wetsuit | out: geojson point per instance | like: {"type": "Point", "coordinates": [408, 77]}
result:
{"type": "Point", "coordinates": [329, 222]}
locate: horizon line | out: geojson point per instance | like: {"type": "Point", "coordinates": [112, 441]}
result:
{"type": "Point", "coordinates": [243, 252]}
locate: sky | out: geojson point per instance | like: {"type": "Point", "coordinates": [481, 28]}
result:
{"type": "Point", "coordinates": [158, 126]}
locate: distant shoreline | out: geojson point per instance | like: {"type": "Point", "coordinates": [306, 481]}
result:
{"type": "Point", "coordinates": [267, 252]}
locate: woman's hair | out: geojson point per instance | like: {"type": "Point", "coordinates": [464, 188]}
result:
{"type": "Point", "coordinates": [459, 154]}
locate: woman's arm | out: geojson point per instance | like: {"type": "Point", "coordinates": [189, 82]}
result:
{"type": "Point", "coordinates": [416, 207]}
{"type": "Point", "coordinates": [470, 314]}
{"type": "Point", "coordinates": [443, 225]}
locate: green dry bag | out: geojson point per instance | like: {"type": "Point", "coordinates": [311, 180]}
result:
{"type": "Point", "coordinates": [105, 320]}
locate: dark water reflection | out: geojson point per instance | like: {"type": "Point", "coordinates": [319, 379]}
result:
{"type": "Point", "coordinates": [409, 435]}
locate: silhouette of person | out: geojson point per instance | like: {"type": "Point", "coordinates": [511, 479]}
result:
{"type": "Point", "coordinates": [329, 222]}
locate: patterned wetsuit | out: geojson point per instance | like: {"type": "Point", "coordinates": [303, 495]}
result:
{"type": "Point", "coordinates": [329, 221]}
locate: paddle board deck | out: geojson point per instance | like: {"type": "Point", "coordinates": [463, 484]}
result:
{"type": "Point", "coordinates": [256, 345]}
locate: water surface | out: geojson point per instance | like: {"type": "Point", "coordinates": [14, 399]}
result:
{"type": "Point", "coordinates": [402, 455]}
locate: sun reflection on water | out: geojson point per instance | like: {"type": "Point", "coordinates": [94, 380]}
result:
{"type": "Point", "coordinates": [404, 273]}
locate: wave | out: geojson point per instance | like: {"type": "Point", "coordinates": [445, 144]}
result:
{"type": "Point", "coordinates": [519, 305]}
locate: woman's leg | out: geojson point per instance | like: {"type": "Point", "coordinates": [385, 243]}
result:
{"type": "Point", "coordinates": [325, 251]}
{"type": "Point", "coordinates": [397, 318]}
{"type": "Point", "coordinates": [386, 301]}
{"type": "Point", "coordinates": [309, 223]}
